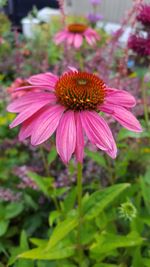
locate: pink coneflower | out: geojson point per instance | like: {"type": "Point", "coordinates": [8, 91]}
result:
{"type": "Point", "coordinates": [74, 35]}
{"type": "Point", "coordinates": [69, 105]}
{"type": "Point", "coordinates": [144, 15]}
{"type": "Point", "coordinates": [19, 82]}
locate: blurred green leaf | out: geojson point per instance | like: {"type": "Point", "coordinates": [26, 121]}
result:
{"type": "Point", "coordinates": [3, 226]}
{"type": "Point", "coordinates": [54, 215]}
{"type": "Point", "coordinates": [105, 265]}
{"type": "Point", "coordinates": [69, 201]}
{"type": "Point", "coordinates": [13, 209]}
{"type": "Point", "coordinates": [61, 230]}
{"type": "Point", "coordinates": [99, 200]}
{"type": "Point", "coordinates": [52, 254]}
{"type": "Point", "coordinates": [97, 157]}
{"type": "Point", "coordinates": [124, 133]}
{"type": "Point", "coordinates": [145, 186]}
{"type": "Point", "coordinates": [107, 242]}
{"type": "Point", "coordinates": [44, 183]}
{"type": "Point", "coordinates": [52, 155]}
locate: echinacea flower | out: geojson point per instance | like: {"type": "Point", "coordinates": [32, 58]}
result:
{"type": "Point", "coordinates": [70, 105]}
{"type": "Point", "coordinates": [19, 83]}
{"type": "Point", "coordinates": [144, 15]}
{"type": "Point", "coordinates": [74, 35]}
{"type": "Point", "coordinates": [139, 45]}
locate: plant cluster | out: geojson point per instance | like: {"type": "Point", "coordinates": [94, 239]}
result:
{"type": "Point", "coordinates": [72, 204]}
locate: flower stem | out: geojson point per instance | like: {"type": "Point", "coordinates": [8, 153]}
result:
{"type": "Point", "coordinates": [143, 88]}
{"type": "Point", "coordinates": [46, 167]}
{"type": "Point", "coordinates": [79, 198]}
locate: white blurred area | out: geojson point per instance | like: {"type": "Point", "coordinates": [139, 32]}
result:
{"type": "Point", "coordinates": [111, 10]}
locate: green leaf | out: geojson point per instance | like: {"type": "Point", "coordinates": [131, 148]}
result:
{"type": "Point", "coordinates": [54, 215]}
{"type": "Point", "coordinates": [39, 242]}
{"type": "Point", "coordinates": [61, 230]}
{"type": "Point", "coordinates": [107, 242]}
{"type": "Point", "coordinates": [52, 155]}
{"type": "Point", "coordinates": [105, 265]}
{"type": "Point", "coordinates": [13, 209]}
{"type": "Point", "coordinates": [124, 133]}
{"type": "Point", "coordinates": [146, 262]}
{"type": "Point", "coordinates": [99, 200]}
{"type": "Point", "coordinates": [145, 186]}
{"type": "Point", "coordinates": [43, 183]}
{"type": "Point", "coordinates": [69, 201]}
{"type": "Point", "coordinates": [97, 157]}
{"type": "Point", "coordinates": [3, 227]}
{"type": "Point", "coordinates": [52, 254]}
{"type": "Point", "coordinates": [23, 241]}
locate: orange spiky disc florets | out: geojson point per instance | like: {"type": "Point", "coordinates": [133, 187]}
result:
{"type": "Point", "coordinates": [77, 28]}
{"type": "Point", "coordinates": [80, 91]}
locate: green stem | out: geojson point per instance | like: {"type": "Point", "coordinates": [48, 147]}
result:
{"type": "Point", "coordinates": [143, 88]}
{"type": "Point", "coordinates": [44, 161]}
{"type": "Point", "coordinates": [79, 198]}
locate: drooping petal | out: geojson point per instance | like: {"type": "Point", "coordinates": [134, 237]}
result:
{"type": "Point", "coordinates": [123, 116]}
{"type": "Point", "coordinates": [46, 124]}
{"type": "Point", "coordinates": [120, 98]}
{"type": "Point", "coordinates": [78, 39]}
{"type": "Point", "coordinates": [28, 112]}
{"type": "Point", "coordinates": [60, 37]}
{"type": "Point", "coordinates": [43, 79]}
{"type": "Point", "coordinates": [29, 99]}
{"type": "Point", "coordinates": [70, 38]}
{"type": "Point", "coordinates": [79, 150]}
{"type": "Point", "coordinates": [66, 136]}
{"type": "Point", "coordinates": [90, 39]}
{"type": "Point", "coordinates": [97, 130]}
{"type": "Point", "coordinates": [28, 126]}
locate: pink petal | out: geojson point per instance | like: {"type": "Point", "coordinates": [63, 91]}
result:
{"type": "Point", "coordinates": [43, 79]}
{"type": "Point", "coordinates": [120, 98]}
{"type": "Point", "coordinates": [66, 136]}
{"type": "Point", "coordinates": [90, 40]}
{"type": "Point", "coordinates": [28, 125]}
{"type": "Point", "coordinates": [70, 38]}
{"type": "Point", "coordinates": [92, 33]}
{"type": "Point", "coordinates": [46, 124]}
{"type": "Point", "coordinates": [97, 130]}
{"type": "Point", "coordinates": [79, 150]}
{"type": "Point", "coordinates": [123, 116]}
{"type": "Point", "coordinates": [60, 37]}
{"type": "Point", "coordinates": [29, 99]}
{"type": "Point", "coordinates": [28, 112]}
{"type": "Point", "coordinates": [78, 39]}
{"type": "Point", "coordinates": [35, 87]}
{"type": "Point", "coordinates": [72, 69]}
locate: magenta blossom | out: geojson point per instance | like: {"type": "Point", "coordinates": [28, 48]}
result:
{"type": "Point", "coordinates": [139, 45]}
{"type": "Point", "coordinates": [94, 18]}
{"type": "Point", "coordinates": [95, 2]}
{"type": "Point", "coordinates": [144, 15]}
{"type": "Point", "coordinates": [74, 35]}
{"type": "Point", "coordinates": [69, 105]}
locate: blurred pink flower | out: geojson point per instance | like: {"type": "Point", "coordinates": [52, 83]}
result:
{"type": "Point", "coordinates": [144, 14]}
{"type": "Point", "coordinates": [18, 83]}
{"type": "Point", "coordinates": [74, 35]}
{"type": "Point", "coordinates": [95, 2]}
{"type": "Point", "coordinates": [139, 45]}
{"type": "Point", "coordinates": [69, 105]}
